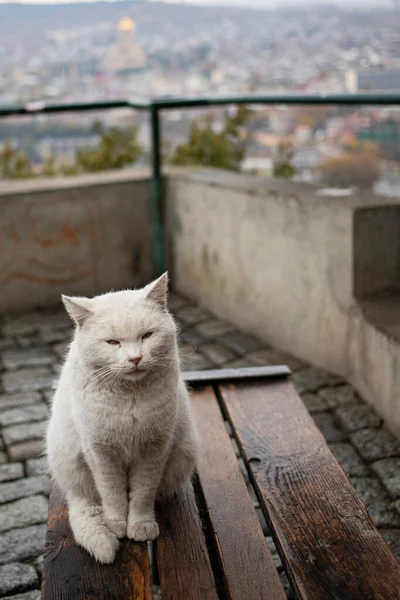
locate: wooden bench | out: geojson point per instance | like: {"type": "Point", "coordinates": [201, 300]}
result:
{"type": "Point", "coordinates": [211, 544]}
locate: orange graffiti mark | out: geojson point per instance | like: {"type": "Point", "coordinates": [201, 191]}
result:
{"type": "Point", "coordinates": [66, 234]}
{"type": "Point", "coordinates": [44, 280]}
{"type": "Point", "coordinates": [14, 235]}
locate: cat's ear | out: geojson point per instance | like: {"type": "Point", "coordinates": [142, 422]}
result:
{"type": "Point", "coordinates": [77, 308]}
{"type": "Point", "coordinates": [158, 290]}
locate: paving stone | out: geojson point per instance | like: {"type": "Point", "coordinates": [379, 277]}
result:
{"type": "Point", "coordinates": [176, 301]}
{"type": "Point", "coordinates": [27, 380]}
{"type": "Point", "coordinates": [392, 538]}
{"type": "Point", "coordinates": [217, 353]}
{"type": "Point", "coordinates": [53, 336]}
{"type": "Point", "coordinates": [19, 359]}
{"type": "Point", "coordinates": [388, 470]}
{"type": "Point", "coordinates": [24, 432]}
{"type": "Point", "coordinates": [23, 512]}
{"type": "Point", "coordinates": [8, 401]}
{"type": "Point", "coordinates": [191, 336]}
{"type": "Point", "coordinates": [18, 327]}
{"type": "Point", "coordinates": [25, 450]}
{"type": "Point", "coordinates": [353, 418]}
{"type": "Point", "coordinates": [313, 403]}
{"type": "Point", "coordinates": [61, 349]}
{"type": "Point", "coordinates": [397, 506]}
{"type": "Point", "coordinates": [270, 356]}
{"type": "Point", "coordinates": [31, 341]}
{"type": "Point", "coordinates": [374, 444]}
{"type": "Point", "coordinates": [240, 343]}
{"type": "Point", "coordinates": [1, 443]}
{"type": "Point", "coordinates": [349, 459]}
{"type": "Point", "coordinates": [48, 396]}
{"type": "Point", "coordinates": [39, 564]}
{"type": "Point", "coordinates": [275, 555]}
{"type": "Point", "coordinates": [313, 379]}
{"type": "Point", "coordinates": [197, 362]}
{"type": "Point", "coordinates": [286, 586]}
{"type": "Point", "coordinates": [262, 521]}
{"type": "Point", "coordinates": [22, 544]}
{"type": "Point", "coordinates": [213, 328]}
{"type": "Point", "coordinates": [342, 395]}
{"type": "Point", "coordinates": [34, 412]}
{"type": "Point", "coordinates": [34, 595]}
{"type": "Point", "coordinates": [48, 319]}
{"type": "Point", "coordinates": [238, 363]}
{"type": "Point", "coordinates": [37, 466]}
{"type": "Point", "coordinates": [3, 458]}
{"type": "Point", "coordinates": [21, 488]}
{"type": "Point", "coordinates": [379, 505]}
{"type": "Point", "coordinates": [17, 577]}
{"type": "Point", "coordinates": [192, 314]}
{"type": "Point", "coordinates": [57, 368]}
{"type": "Point", "coordinates": [6, 344]}
{"type": "Point", "coordinates": [327, 426]}
{"type": "Point", "coordinates": [11, 471]}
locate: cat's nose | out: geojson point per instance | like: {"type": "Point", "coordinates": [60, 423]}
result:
{"type": "Point", "coordinates": [136, 359]}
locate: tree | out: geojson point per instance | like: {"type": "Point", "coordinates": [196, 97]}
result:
{"type": "Point", "coordinates": [283, 161]}
{"type": "Point", "coordinates": [358, 169]}
{"type": "Point", "coordinates": [224, 150]}
{"type": "Point", "coordinates": [117, 148]}
{"type": "Point", "coordinates": [14, 164]}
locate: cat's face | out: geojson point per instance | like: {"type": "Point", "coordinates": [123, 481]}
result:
{"type": "Point", "coordinates": [125, 335]}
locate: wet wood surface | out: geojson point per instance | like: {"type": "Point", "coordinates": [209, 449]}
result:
{"type": "Point", "coordinates": [326, 539]}
{"type": "Point", "coordinates": [70, 573]}
{"type": "Point", "coordinates": [219, 375]}
{"type": "Point", "coordinates": [246, 563]}
{"type": "Point", "coordinates": [183, 562]}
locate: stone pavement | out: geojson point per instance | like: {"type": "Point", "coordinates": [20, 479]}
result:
{"type": "Point", "coordinates": [31, 350]}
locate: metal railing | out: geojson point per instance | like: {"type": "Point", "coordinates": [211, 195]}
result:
{"type": "Point", "coordinates": [155, 106]}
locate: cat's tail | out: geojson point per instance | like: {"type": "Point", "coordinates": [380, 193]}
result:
{"type": "Point", "coordinates": [90, 529]}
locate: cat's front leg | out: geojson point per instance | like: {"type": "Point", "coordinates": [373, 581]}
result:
{"type": "Point", "coordinates": [144, 482]}
{"type": "Point", "coordinates": [111, 481]}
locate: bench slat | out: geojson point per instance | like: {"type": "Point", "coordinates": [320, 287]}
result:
{"type": "Point", "coordinates": [70, 573]}
{"type": "Point", "coordinates": [218, 375]}
{"type": "Point", "coordinates": [325, 536]}
{"type": "Point", "coordinates": [183, 562]}
{"type": "Point", "coordinates": [246, 562]}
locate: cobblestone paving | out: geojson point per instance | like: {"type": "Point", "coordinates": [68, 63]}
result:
{"type": "Point", "coordinates": [31, 349]}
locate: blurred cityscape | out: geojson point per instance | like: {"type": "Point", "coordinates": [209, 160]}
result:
{"type": "Point", "coordinates": [125, 50]}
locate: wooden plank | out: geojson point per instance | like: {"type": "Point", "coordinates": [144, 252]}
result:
{"type": "Point", "coordinates": [218, 375]}
{"type": "Point", "coordinates": [183, 562]}
{"type": "Point", "coordinates": [70, 573]}
{"type": "Point", "coordinates": [247, 565]}
{"type": "Point", "coordinates": [329, 544]}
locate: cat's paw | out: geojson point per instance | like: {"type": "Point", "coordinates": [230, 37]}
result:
{"type": "Point", "coordinates": [143, 531]}
{"type": "Point", "coordinates": [117, 527]}
{"type": "Point", "coordinates": [102, 545]}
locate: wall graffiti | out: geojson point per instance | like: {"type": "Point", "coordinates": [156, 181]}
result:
{"type": "Point", "coordinates": [52, 242]}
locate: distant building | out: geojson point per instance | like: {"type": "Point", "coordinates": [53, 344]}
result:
{"type": "Point", "coordinates": [379, 80]}
{"type": "Point", "coordinates": [126, 55]}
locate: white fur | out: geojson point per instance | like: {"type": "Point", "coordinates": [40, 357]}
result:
{"type": "Point", "coordinates": [120, 435]}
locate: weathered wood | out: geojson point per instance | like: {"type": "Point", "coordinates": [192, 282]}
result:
{"type": "Point", "coordinates": [219, 375]}
{"type": "Point", "coordinates": [325, 536]}
{"type": "Point", "coordinates": [183, 562]}
{"type": "Point", "coordinates": [247, 565]}
{"type": "Point", "coordinates": [70, 573]}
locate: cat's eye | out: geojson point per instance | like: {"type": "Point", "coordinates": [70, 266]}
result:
{"type": "Point", "coordinates": [147, 335]}
{"type": "Point", "coordinates": [113, 342]}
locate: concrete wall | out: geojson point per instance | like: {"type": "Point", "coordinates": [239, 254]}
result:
{"type": "Point", "coordinates": [279, 260]}
{"type": "Point", "coordinates": [81, 235]}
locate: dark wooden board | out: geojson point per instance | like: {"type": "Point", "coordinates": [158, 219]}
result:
{"type": "Point", "coordinates": [183, 562]}
{"type": "Point", "coordinates": [218, 375]}
{"type": "Point", "coordinates": [70, 573]}
{"type": "Point", "coordinates": [247, 565]}
{"type": "Point", "coordinates": [326, 539]}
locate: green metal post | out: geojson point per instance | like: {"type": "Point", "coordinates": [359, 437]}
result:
{"type": "Point", "coordinates": [157, 192]}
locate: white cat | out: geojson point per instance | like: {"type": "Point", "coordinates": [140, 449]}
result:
{"type": "Point", "coordinates": [121, 432]}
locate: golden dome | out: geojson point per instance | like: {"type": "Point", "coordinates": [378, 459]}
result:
{"type": "Point", "coordinates": [126, 24]}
